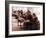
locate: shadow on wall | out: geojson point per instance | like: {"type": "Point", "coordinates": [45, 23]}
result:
{"type": "Point", "coordinates": [12, 37]}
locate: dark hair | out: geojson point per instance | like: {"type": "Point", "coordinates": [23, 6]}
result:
{"type": "Point", "coordinates": [34, 14]}
{"type": "Point", "coordinates": [14, 11]}
{"type": "Point", "coordinates": [14, 16]}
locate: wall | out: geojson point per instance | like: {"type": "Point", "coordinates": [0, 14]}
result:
{"type": "Point", "coordinates": [2, 19]}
